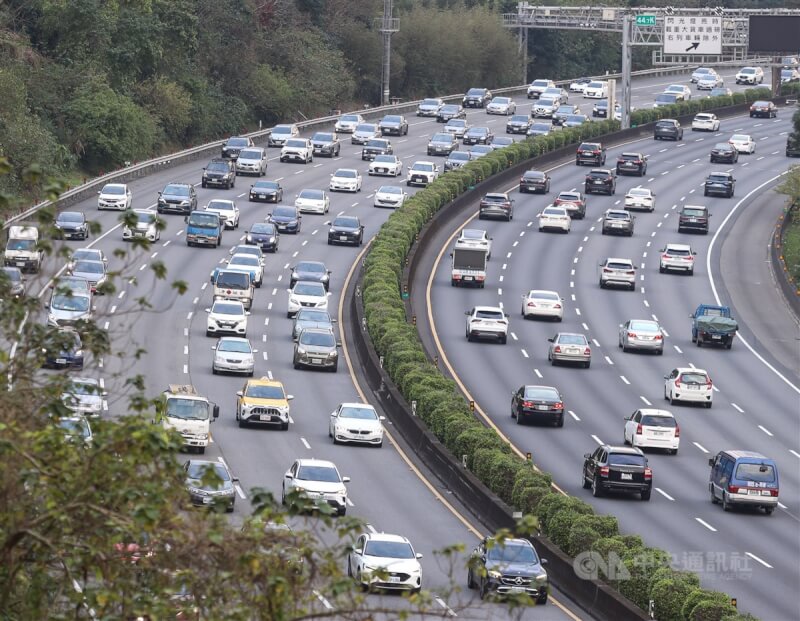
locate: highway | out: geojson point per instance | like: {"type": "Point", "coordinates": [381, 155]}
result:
{"type": "Point", "coordinates": [387, 490]}
{"type": "Point", "coordinates": [750, 556]}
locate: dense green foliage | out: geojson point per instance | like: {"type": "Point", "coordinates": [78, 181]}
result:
{"type": "Point", "coordinates": [643, 572]}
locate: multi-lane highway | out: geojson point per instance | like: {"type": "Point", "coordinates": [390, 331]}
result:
{"type": "Point", "coordinates": [751, 556]}
{"type": "Point", "coordinates": [387, 490]}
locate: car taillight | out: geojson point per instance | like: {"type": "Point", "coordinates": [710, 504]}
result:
{"type": "Point", "coordinates": [665, 256]}
{"type": "Point", "coordinates": [658, 337]}
{"type": "Point", "coordinates": [456, 276]}
{"type": "Point", "coordinates": [556, 305]}
{"type": "Point", "coordinates": [630, 272]}
{"type": "Point", "coordinates": [708, 383]}
{"type": "Point", "coordinates": [648, 474]}
{"type": "Point", "coordinates": [531, 304]}
{"type": "Point", "coordinates": [677, 383]}
{"type": "Point", "coordinates": [607, 271]}
{"type": "Point", "coordinates": [587, 352]}
{"type": "Point", "coordinates": [690, 258]}
{"type": "Point", "coordinates": [558, 406]}
{"type": "Point", "coordinates": [773, 492]}
{"type": "Point", "coordinates": [677, 431]}
{"type": "Point", "coordinates": [733, 489]}
{"type": "Point", "coordinates": [596, 152]}
{"type": "Point", "coordinates": [639, 429]}
{"type": "Point", "coordinates": [631, 335]}
{"type": "Point", "coordinates": [557, 349]}
{"type": "Point", "coordinates": [527, 404]}
{"type": "Point", "coordinates": [603, 471]}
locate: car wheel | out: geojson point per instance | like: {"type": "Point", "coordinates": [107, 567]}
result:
{"type": "Point", "coordinates": [646, 494]}
{"type": "Point", "coordinates": [542, 600]}
{"type": "Point", "coordinates": [587, 364]}
{"type": "Point", "coordinates": [661, 269]}
{"type": "Point", "coordinates": [725, 504]}
{"type": "Point", "coordinates": [560, 421]}
{"type": "Point", "coordinates": [597, 489]}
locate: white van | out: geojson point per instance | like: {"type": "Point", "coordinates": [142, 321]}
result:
{"type": "Point", "coordinates": [22, 249]}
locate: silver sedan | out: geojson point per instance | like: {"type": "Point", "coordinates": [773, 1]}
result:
{"type": "Point", "coordinates": [642, 334]}
{"type": "Point", "coordinates": [570, 347]}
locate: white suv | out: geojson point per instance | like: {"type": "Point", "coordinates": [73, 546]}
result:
{"type": "Point", "coordinates": [297, 150]}
{"type": "Point", "coordinates": [689, 384]}
{"type": "Point", "coordinates": [422, 173]}
{"type": "Point", "coordinates": [227, 210]}
{"type": "Point", "coordinates": [614, 271]}
{"type": "Point", "coordinates": [227, 317]}
{"type": "Point", "coordinates": [487, 322]}
{"type": "Point", "coordinates": [536, 87]}
{"type": "Point", "coordinates": [319, 481]}
{"type": "Point", "coordinates": [678, 257]}
{"type": "Point", "coordinates": [750, 75]}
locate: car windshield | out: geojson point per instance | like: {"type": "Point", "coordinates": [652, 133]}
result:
{"type": "Point", "coordinates": [89, 267]}
{"type": "Point", "coordinates": [760, 473]}
{"type": "Point", "coordinates": [221, 166]}
{"type": "Point", "coordinates": [244, 259]}
{"type": "Point", "coordinates": [547, 101]}
{"type": "Point", "coordinates": [693, 378]}
{"type": "Point", "coordinates": [639, 192]}
{"type": "Point", "coordinates": [313, 316]}
{"type": "Point", "coordinates": [458, 155]}
{"type": "Point", "coordinates": [322, 137]}
{"type": "Point", "coordinates": [227, 308]}
{"type": "Point", "coordinates": [13, 274]}
{"type": "Point", "coordinates": [473, 234]}
{"type": "Point", "coordinates": [388, 159]}
{"type": "Point", "coordinates": [72, 303]}
{"type": "Point", "coordinates": [319, 339]}
{"type": "Point", "coordinates": [346, 222]}
{"type": "Point", "coordinates": [666, 98]}
{"type": "Point", "coordinates": [325, 474]}
{"type": "Point", "coordinates": [457, 123]}
{"type": "Point", "coordinates": [218, 205]}
{"type": "Point", "coordinates": [512, 554]}
{"type": "Point", "coordinates": [442, 138]}
{"type": "Point", "coordinates": [704, 70]}
{"type": "Point", "coordinates": [719, 91]}
{"type": "Point", "coordinates": [266, 185]}
{"type": "Point", "coordinates": [203, 220]}
{"type": "Point", "coordinates": [284, 212]}
{"type": "Point", "coordinates": [626, 459]}
{"type": "Point", "coordinates": [541, 127]}
{"type": "Point", "coordinates": [282, 129]}
{"type": "Point", "coordinates": [478, 130]}
{"type": "Point", "coordinates": [475, 91]}
{"type": "Point", "coordinates": [391, 119]}
{"type": "Point", "coordinates": [263, 228]}
{"type": "Point", "coordinates": [430, 102]}
{"type": "Point", "coordinates": [541, 392]}
{"type": "Point", "coordinates": [310, 267]}
{"type": "Point", "coordinates": [565, 109]}
{"type": "Point", "coordinates": [490, 314]}
{"type": "Point", "coordinates": [346, 173]}
{"type": "Point", "coordinates": [199, 470]}
{"type": "Point", "coordinates": [309, 288]}
{"type": "Point", "coordinates": [481, 149]}
{"type": "Point", "coordinates": [237, 142]}
{"type": "Point", "coordinates": [187, 409]}
{"type": "Point", "coordinates": [390, 189]}
{"type": "Point", "coordinates": [658, 421]}
{"type": "Point", "coordinates": [78, 387]}
{"type": "Point", "coordinates": [258, 391]}
{"type": "Point", "coordinates": [232, 280]}
{"type": "Point", "coordinates": [368, 128]}
{"type": "Point", "coordinates": [595, 85]}
{"type": "Point", "coordinates": [449, 108]}
{"type": "Point", "coordinates": [144, 217]}
{"type": "Point", "coordinates": [358, 413]}
{"type": "Point", "coordinates": [350, 118]}
{"type": "Point", "coordinates": [695, 213]}
{"type": "Point", "coordinates": [519, 118]}
{"type": "Point", "coordinates": [296, 143]}
{"type": "Point", "coordinates": [389, 549]}
{"type": "Point", "coordinates": [644, 326]}
{"type": "Point", "coordinates": [571, 339]}
{"type": "Point", "coordinates": [240, 347]}
{"type": "Point", "coordinates": [501, 100]}
{"type": "Point", "coordinates": [70, 216]}
{"type": "Point", "coordinates": [423, 166]}
{"type": "Point", "coordinates": [114, 188]}
{"type": "Point", "coordinates": [576, 118]}
{"type": "Point", "coordinates": [247, 154]}
{"type": "Point", "coordinates": [87, 254]}
{"type": "Point", "coordinates": [176, 190]}
{"type": "Point", "coordinates": [544, 83]}
{"type": "Point", "coordinates": [21, 244]}
{"type": "Point", "coordinates": [75, 427]}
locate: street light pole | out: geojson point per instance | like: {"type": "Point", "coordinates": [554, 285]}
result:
{"type": "Point", "coordinates": [387, 26]}
{"type": "Point", "coordinates": [625, 107]}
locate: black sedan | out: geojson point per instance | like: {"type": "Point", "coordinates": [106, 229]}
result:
{"type": "Point", "coordinates": [210, 483]}
{"type": "Point", "coordinates": [618, 469]}
{"type": "Point", "coordinates": [518, 124]}
{"type": "Point", "coordinates": [724, 152]}
{"type": "Point", "coordinates": [71, 225]}
{"type": "Point", "coordinates": [478, 135]}
{"type": "Point", "coordinates": [266, 191]}
{"type": "Point", "coordinates": [287, 219]}
{"type": "Point", "coordinates": [763, 109]}
{"type": "Point", "coordinates": [537, 402]}
{"type": "Point", "coordinates": [265, 235]}
{"type": "Point", "coordinates": [313, 271]}
{"type": "Point", "coordinates": [346, 230]}
{"type": "Point", "coordinates": [450, 111]}
{"type": "Point", "coordinates": [534, 181]}
{"type": "Point", "coordinates": [63, 349]}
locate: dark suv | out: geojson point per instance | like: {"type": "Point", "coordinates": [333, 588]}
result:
{"type": "Point", "coordinates": [234, 145]}
{"type": "Point", "coordinates": [693, 218]}
{"type": "Point", "coordinates": [668, 128]}
{"type": "Point", "coordinates": [618, 469]}
{"type": "Point", "coordinates": [720, 183]}
{"type": "Point", "coordinates": [634, 163]}
{"type": "Point", "coordinates": [507, 566]}
{"type": "Point", "coordinates": [590, 153]}
{"type": "Point", "coordinates": [600, 181]}
{"type": "Point", "coordinates": [374, 147]}
{"type": "Point", "coordinates": [177, 198]}
{"type": "Point", "coordinates": [477, 98]}
{"type": "Point", "coordinates": [220, 172]}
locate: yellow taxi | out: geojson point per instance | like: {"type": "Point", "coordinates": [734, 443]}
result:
{"type": "Point", "coordinates": [263, 401]}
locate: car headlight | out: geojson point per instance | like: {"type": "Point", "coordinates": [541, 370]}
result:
{"type": "Point", "coordinates": [342, 491]}
{"type": "Point", "coordinates": [301, 351]}
{"type": "Point", "coordinates": [272, 240]}
{"type": "Point", "coordinates": [493, 573]}
{"type": "Point", "coordinates": [293, 300]}
{"type": "Point", "coordinates": [331, 231]}
{"type": "Point", "coordinates": [184, 203]}
{"type": "Point", "coordinates": [541, 577]}
{"type": "Point", "coordinates": [249, 239]}
{"type": "Point", "coordinates": [79, 352]}
{"type": "Point", "coordinates": [197, 490]}
{"type": "Point", "coordinates": [333, 354]}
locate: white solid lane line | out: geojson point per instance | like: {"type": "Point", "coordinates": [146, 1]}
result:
{"type": "Point", "coordinates": [664, 494]}
{"type": "Point", "coordinates": [760, 560]}
{"type": "Point", "coordinates": [706, 524]}
{"type": "Point", "coordinates": [701, 447]}
{"type": "Point", "coordinates": [596, 439]}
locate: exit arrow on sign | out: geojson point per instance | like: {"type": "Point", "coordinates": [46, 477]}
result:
{"type": "Point", "coordinates": [693, 46]}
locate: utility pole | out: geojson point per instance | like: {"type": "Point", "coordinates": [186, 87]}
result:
{"type": "Point", "coordinates": [387, 25]}
{"type": "Point", "coordinates": [625, 104]}
{"type": "Point", "coordinates": [522, 41]}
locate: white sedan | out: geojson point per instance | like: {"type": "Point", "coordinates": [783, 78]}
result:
{"type": "Point", "coordinates": [114, 196]}
{"type": "Point", "coordinates": [640, 198]}
{"type": "Point", "coordinates": [501, 105]}
{"type": "Point", "coordinates": [743, 143]}
{"type": "Point", "coordinates": [596, 90]}
{"type": "Point", "coordinates": [248, 263]}
{"type": "Point", "coordinates": [555, 218]}
{"type": "Point", "coordinates": [652, 428]}
{"type": "Point", "coordinates": [386, 165]}
{"type": "Point", "coordinates": [542, 303]}
{"type": "Point", "coordinates": [345, 180]}
{"type": "Point", "coordinates": [84, 395]}
{"type": "Point", "coordinates": [312, 201]}
{"type": "Point", "coordinates": [307, 294]}
{"type": "Point", "coordinates": [233, 354]}
{"type": "Point", "coordinates": [227, 210]}
{"type": "Point", "coordinates": [475, 238]}
{"type": "Point", "coordinates": [705, 122]}
{"type": "Point", "coordinates": [391, 196]}
{"type": "Point", "coordinates": [356, 422]}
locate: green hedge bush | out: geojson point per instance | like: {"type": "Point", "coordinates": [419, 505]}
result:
{"type": "Point", "coordinates": [571, 523]}
{"type": "Point", "coordinates": [698, 596]}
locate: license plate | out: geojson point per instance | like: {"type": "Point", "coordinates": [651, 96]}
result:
{"type": "Point", "coordinates": [542, 407]}
{"type": "Point", "coordinates": [394, 578]}
{"type": "Point", "coordinates": [467, 277]}
{"type": "Point", "coordinates": [206, 500]}
{"type": "Point", "coordinates": [755, 492]}
{"type": "Point", "coordinates": [516, 589]}
{"type": "Point", "coordinates": [690, 387]}
{"type": "Point", "coordinates": [20, 263]}
{"type": "Point", "coordinates": [716, 336]}
{"type": "Point", "coordinates": [61, 361]}
{"type": "Point", "coordinates": [262, 196]}
{"type": "Point", "coordinates": [626, 476]}
{"type": "Point", "coordinates": [342, 237]}
{"type": "Point", "coordinates": [265, 417]}
{"type": "Point", "coordinates": [316, 361]}
{"type": "Point", "coordinates": [573, 350]}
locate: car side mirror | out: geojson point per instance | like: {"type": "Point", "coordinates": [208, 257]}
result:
{"type": "Point", "coordinates": [289, 397]}
{"type": "Point", "coordinates": [506, 314]}
{"type": "Point", "coordinates": [239, 393]}
{"type": "Point", "coordinates": [345, 479]}
{"type": "Point", "coordinates": [295, 339]}
{"type": "Point", "coordinates": [711, 461]}
{"type": "Point", "coordinates": [208, 310]}
{"type": "Point", "coordinates": [216, 411]}
{"type": "Point", "coordinates": [247, 313]}
{"type": "Point", "coordinates": [185, 218]}
{"type": "Point", "coordinates": [333, 414]}
{"type": "Point", "coordinates": [551, 340]}
{"type": "Point", "coordinates": [543, 561]}
{"type": "Point", "coordinates": [587, 455]}
{"type": "Point", "coordinates": [466, 313]}
{"type": "Point", "coordinates": [255, 351]}
{"type": "Point", "coordinates": [381, 418]}
{"type": "Point", "coordinates": [694, 254]}
{"type": "Point", "coordinates": [419, 555]}
{"type": "Point", "coordinates": [666, 377]}
{"type": "Point", "coordinates": [288, 475]}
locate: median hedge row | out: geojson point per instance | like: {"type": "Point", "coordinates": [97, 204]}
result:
{"type": "Point", "coordinates": [639, 572]}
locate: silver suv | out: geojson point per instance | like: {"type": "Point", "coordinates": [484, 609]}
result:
{"type": "Point", "coordinates": [618, 221]}
{"type": "Point", "coordinates": [620, 272]}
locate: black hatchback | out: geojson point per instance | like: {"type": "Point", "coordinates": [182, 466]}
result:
{"type": "Point", "coordinates": [724, 152]}
{"type": "Point", "coordinates": [537, 403]}
{"type": "Point", "coordinates": [265, 235]}
{"type": "Point", "coordinates": [668, 129]}
{"type": "Point", "coordinates": [617, 469]}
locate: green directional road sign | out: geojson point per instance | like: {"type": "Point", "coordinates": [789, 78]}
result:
{"type": "Point", "coordinates": [645, 20]}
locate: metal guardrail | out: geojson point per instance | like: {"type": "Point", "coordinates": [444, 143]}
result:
{"type": "Point", "coordinates": [145, 168]}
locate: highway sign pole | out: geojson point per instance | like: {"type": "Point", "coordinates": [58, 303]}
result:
{"type": "Point", "coordinates": [625, 104]}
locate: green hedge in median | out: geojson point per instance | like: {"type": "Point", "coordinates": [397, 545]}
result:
{"type": "Point", "coordinates": [572, 524]}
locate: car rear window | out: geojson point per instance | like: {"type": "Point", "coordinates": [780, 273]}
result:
{"type": "Point", "coordinates": [485, 314]}
{"type": "Point", "coordinates": [616, 265]}
{"type": "Point", "coordinates": [626, 459]}
{"type": "Point", "coordinates": [572, 339]}
{"type": "Point", "coordinates": [659, 421]}
{"type": "Point", "coordinates": [697, 213]}
{"type": "Point", "coordinates": [678, 252]}
{"type": "Point", "coordinates": [538, 392]}
{"type": "Point", "coordinates": [693, 378]}
{"type": "Point", "coordinates": [760, 473]}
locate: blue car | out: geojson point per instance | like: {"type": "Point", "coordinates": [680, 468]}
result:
{"type": "Point", "coordinates": [64, 350]}
{"type": "Point", "coordinates": [264, 235]}
{"type": "Point", "coordinates": [287, 219]}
